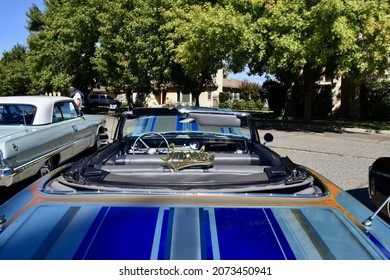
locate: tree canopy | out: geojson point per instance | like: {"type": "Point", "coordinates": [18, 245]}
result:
{"type": "Point", "coordinates": [62, 43]}
{"type": "Point", "coordinates": [14, 76]}
{"type": "Point", "coordinates": [131, 48]}
{"type": "Point", "coordinates": [204, 38]}
{"type": "Point", "coordinates": [307, 39]}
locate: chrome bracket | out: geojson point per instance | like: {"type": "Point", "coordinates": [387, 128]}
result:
{"type": "Point", "coordinates": [368, 222]}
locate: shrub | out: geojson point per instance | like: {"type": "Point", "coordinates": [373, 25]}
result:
{"type": "Point", "coordinates": [375, 101]}
{"type": "Point", "coordinates": [240, 105]}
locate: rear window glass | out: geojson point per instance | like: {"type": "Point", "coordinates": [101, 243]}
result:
{"type": "Point", "coordinates": [14, 114]}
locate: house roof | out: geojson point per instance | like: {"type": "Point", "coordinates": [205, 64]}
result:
{"type": "Point", "coordinates": [231, 83]}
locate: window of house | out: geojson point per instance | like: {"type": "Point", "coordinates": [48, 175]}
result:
{"type": "Point", "coordinates": [209, 95]}
{"type": "Point", "coordinates": [185, 98]}
{"type": "Point", "coordinates": [233, 95]}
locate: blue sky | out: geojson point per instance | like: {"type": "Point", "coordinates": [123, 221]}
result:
{"type": "Point", "coordinates": [243, 76]}
{"type": "Point", "coordinates": [13, 21]}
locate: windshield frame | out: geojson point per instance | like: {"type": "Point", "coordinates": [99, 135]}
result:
{"type": "Point", "coordinates": [238, 124]}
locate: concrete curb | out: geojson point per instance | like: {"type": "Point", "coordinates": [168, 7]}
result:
{"type": "Point", "coordinates": [316, 128]}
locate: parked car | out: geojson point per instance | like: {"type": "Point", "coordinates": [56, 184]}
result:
{"type": "Point", "coordinates": [379, 184]}
{"type": "Point", "coordinates": [188, 183]}
{"type": "Point", "coordinates": [38, 133]}
{"type": "Point", "coordinates": [102, 100]}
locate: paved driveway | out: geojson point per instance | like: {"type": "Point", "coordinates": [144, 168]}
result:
{"type": "Point", "coordinates": [343, 158]}
{"type": "Point", "coordinates": [111, 122]}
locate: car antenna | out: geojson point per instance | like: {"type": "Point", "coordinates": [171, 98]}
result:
{"type": "Point", "coordinates": [368, 221]}
{"type": "Point", "coordinates": [24, 121]}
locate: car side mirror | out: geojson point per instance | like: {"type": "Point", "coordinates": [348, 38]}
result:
{"type": "Point", "coordinates": [268, 137]}
{"type": "Point", "coordinates": [102, 140]}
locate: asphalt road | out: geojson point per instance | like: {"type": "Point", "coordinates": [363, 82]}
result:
{"type": "Point", "coordinates": [344, 158]}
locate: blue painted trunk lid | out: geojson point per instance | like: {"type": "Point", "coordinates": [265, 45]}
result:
{"type": "Point", "coordinates": [135, 232]}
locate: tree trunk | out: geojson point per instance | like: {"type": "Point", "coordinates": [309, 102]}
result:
{"type": "Point", "coordinates": [310, 77]}
{"type": "Point", "coordinates": [197, 100]}
{"type": "Point", "coordinates": [197, 94]}
{"type": "Point", "coordinates": [307, 88]}
{"type": "Point", "coordinates": [350, 99]}
{"type": "Point", "coordinates": [129, 98]}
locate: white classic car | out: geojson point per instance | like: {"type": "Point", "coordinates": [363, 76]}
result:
{"type": "Point", "coordinates": [37, 133]}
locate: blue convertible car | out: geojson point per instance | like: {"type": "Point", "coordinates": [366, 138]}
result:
{"type": "Point", "coordinates": [188, 183]}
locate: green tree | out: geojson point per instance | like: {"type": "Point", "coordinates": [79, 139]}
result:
{"type": "Point", "coordinates": [132, 52]}
{"type": "Point", "coordinates": [146, 43]}
{"type": "Point", "coordinates": [307, 39]}
{"type": "Point", "coordinates": [251, 91]}
{"type": "Point", "coordinates": [14, 76]}
{"type": "Point", "coordinates": [203, 38]}
{"type": "Point", "coordinates": [62, 43]}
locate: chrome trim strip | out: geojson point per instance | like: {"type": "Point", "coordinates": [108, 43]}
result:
{"type": "Point", "coordinates": [7, 179]}
{"type": "Point", "coordinates": [42, 158]}
{"type": "Point", "coordinates": [380, 173]}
